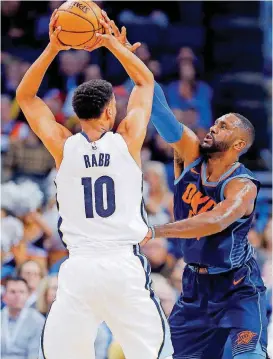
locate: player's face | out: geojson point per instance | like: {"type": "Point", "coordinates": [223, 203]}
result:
{"type": "Point", "coordinates": [222, 135]}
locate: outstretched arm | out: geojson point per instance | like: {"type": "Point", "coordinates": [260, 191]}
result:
{"type": "Point", "coordinates": [37, 113]}
{"type": "Point", "coordinates": [179, 136]}
{"type": "Point", "coordinates": [240, 195]}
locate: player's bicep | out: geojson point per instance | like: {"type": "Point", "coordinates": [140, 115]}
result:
{"type": "Point", "coordinates": [187, 147]}
{"type": "Point", "coordinates": [43, 123]}
{"type": "Point", "coordinates": [134, 127]}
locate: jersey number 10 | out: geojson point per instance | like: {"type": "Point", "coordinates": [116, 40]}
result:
{"type": "Point", "coordinates": [95, 194]}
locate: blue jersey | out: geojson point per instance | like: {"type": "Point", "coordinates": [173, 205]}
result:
{"type": "Point", "coordinates": [193, 195]}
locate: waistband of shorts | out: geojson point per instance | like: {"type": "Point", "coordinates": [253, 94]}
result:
{"type": "Point", "coordinates": [200, 269]}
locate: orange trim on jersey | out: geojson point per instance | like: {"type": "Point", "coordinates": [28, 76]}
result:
{"type": "Point", "coordinates": [193, 170]}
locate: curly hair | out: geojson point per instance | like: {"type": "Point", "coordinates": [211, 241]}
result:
{"type": "Point", "coordinates": [90, 99]}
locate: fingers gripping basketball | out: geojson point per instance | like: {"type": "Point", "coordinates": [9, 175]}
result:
{"type": "Point", "coordinates": [79, 21]}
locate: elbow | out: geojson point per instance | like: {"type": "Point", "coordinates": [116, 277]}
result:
{"type": "Point", "coordinates": [150, 79]}
{"type": "Point", "coordinates": [20, 96]}
{"type": "Point", "coordinates": [216, 225]}
{"type": "Point", "coordinates": [146, 80]}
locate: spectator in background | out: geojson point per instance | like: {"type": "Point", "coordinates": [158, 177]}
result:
{"type": "Point", "coordinates": [190, 93]}
{"type": "Point", "coordinates": [159, 202]}
{"type": "Point", "coordinates": [70, 71]}
{"type": "Point", "coordinates": [37, 237]}
{"type": "Point", "coordinates": [11, 130]}
{"type": "Point", "coordinates": [41, 23]}
{"type": "Point", "coordinates": [14, 29]}
{"type": "Point", "coordinates": [12, 231]}
{"type": "Point", "coordinates": [13, 76]}
{"type": "Point", "coordinates": [47, 294]}
{"type": "Point", "coordinates": [21, 326]}
{"type": "Point", "coordinates": [29, 159]}
{"type": "Point", "coordinates": [33, 274]}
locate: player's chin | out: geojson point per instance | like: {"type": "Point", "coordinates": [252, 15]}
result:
{"type": "Point", "coordinates": [205, 145]}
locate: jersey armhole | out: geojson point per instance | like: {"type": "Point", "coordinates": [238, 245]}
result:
{"type": "Point", "coordinates": [125, 148]}
{"type": "Point", "coordinates": [186, 169]}
{"type": "Point", "coordinates": [65, 145]}
{"type": "Point", "coordinates": [222, 197]}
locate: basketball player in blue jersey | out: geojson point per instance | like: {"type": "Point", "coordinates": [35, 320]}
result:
{"type": "Point", "coordinates": [215, 195]}
{"type": "Point", "coordinates": [214, 202]}
{"type": "Point", "coordinates": [102, 220]}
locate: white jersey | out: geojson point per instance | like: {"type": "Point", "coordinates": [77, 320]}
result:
{"type": "Point", "coordinates": [99, 194]}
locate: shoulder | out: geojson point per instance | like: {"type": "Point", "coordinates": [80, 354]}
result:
{"type": "Point", "coordinates": [240, 186]}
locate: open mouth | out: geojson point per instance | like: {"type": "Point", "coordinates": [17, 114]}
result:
{"type": "Point", "coordinates": [208, 138]}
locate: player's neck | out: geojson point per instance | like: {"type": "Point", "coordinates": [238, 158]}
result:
{"type": "Point", "coordinates": [94, 132]}
{"type": "Point", "coordinates": [217, 166]}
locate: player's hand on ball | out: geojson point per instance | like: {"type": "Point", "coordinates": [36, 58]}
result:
{"type": "Point", "coordinates": [53, 34]}
{"type": "Point", "coordinates": [120, 36]}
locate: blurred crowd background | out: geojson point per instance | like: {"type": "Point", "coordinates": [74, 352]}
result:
{"type": "Point", "coordinates": [209, 57]}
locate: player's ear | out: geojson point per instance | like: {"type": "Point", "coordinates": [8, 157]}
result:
{"type": "Point", "coordinates": [109, 112]}
{"type": "Point", "coordinates": [240, 145]}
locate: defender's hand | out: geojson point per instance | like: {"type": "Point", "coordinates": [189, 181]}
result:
{"type": "Point", "coordinates": [120, 36]}
{"type": "Point", "coordinates": [106, 39]}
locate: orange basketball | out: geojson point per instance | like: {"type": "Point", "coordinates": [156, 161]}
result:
{"type": "Point", "coordinates": [79, 21]}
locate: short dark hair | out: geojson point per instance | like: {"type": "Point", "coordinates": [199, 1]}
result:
{"type": "Point", "coordinates": [90, 99]}
{"type": "Point", "coordinates": [16, 279]}
{"type": "Point", "coordinates": [248, 127]}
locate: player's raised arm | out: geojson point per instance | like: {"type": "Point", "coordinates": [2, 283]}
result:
{"type": "Point", "coordinates": [179, 136]}
{"type": "Point", "coordinates": [37, 113]}
{"type": "Point", "coordinates": [240, 195]}
{"type": "Point", "coordinates": [133, 128]}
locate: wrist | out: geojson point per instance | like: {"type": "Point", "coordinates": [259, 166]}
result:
{"type": "Point", "coordinates": [52, 49]}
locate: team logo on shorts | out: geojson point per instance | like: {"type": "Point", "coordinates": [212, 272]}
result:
{"type": "Point", "coordinates": [245, 337]}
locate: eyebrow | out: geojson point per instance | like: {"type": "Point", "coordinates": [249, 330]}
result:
{"type": "Point", "coordinates": [222, 121]}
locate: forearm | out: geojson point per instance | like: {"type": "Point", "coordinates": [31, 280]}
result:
{"type": "Point", "coordinates": [195, 227]}
{"type": "Point", "coordinates": [31, 82]}
{"type": "Point", "coordinates": [135, 68]}
{"type": "Point", "coordinates": [163, 118]}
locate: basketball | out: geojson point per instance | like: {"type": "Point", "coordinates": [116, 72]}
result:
{"type": "Point", "coordinates": [79, 21]}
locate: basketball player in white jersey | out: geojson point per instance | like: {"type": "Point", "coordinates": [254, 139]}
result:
{"type": "Point", "coordinates": [102, 219]}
